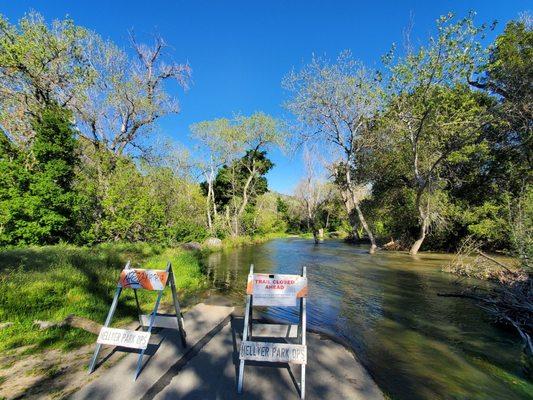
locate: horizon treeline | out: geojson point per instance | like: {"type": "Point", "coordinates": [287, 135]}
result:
{"type": "Point", "coordinates": [431, 149]}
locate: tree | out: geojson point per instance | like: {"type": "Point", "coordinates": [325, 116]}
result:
{"type": "Point", "coordinates": [313, 193]}
{"type": "Point", "coordinates": [127, 96]}
{"type": "Point", "coordinates": [238, 185]}
{"type": "Point", "coordinates": [40, 65]}
{"type": "Point", "coordinates": [216, 139]}
{"type": "Point", "coordinates": [431, 111]}
{"type": "Point", "coordinates": [336, 105]}
{"type": "Point", "coordinates": [37, 201]}
{"type": "Point", "coordinates": [241, 178]}
{"type": "Point", "coordinates": [509, 76]}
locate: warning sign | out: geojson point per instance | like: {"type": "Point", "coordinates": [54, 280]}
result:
{"type": "Point", "coordinates": [276, 289]}
{"type": "Point", "coordinates": [149, 279]}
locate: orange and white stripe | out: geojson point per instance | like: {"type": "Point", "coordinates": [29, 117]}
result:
{"type": "Point", "coordinates": [149, 279]}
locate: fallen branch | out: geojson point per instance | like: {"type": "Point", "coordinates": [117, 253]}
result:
{"type": "Point", "coordinates": [71, 321]}
{"type": "Point", "coordinates": [494, 261]}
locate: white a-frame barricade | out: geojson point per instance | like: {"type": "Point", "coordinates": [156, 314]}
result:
{"type": "Point", "coordinates": [282, 291]}
{"type": "Point", "coordinates": [147, 279]}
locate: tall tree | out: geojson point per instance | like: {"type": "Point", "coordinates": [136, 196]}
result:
{"type": "Point", "coordinates": [128, 95]}
{"type": "Point", "coordinates": [40, 65]}
{"type": "Point", "coordinates": [245, 141]}
{"type": "Point", "coordinates": [215, 139]}
{"type": "Point", "coordinates": [336, 105]}
{"type": "Point", "coordinates": [432, 113]}
{"type": "Point", "coordinates": [238, 185]}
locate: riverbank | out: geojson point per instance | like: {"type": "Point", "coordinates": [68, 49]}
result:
{"type": "Point", "coordinates": [49, 283]}
{"type": "Point", "coordinates": [415, 344]}
{"type": "Point", "coordinates": [52, 282]}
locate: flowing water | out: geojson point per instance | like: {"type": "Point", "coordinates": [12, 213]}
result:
{"type": "Point", "coordinates": [415, 344]}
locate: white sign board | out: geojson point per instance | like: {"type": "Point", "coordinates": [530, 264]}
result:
{"type": "Point", "coordinates": [124, 338]}
{"type": "Point", "coordinates": [273, 352]}
{"type": "Point", "coordinates": [275, 289]}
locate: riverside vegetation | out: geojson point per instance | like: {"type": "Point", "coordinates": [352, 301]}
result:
{"type": "Point", "coordinates": [431, 149]}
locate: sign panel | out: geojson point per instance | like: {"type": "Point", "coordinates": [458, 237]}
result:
{"type": "Point", "coordinates": [275, 289]}
{"type": "Point", "coordinates": [124, 338]}
{"type": "Point", "coordinates": [273, 352]}
{"type": "Point", "coordinates": [149, 279]}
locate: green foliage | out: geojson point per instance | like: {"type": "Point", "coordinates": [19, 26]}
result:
{"type": "Point", "coordinates": [47, 64]}
{"type": "Point", "coordinates": [230, 180]}
{"type": "Point", "coordinates": [264, 218]}
{"type": "Point", "coordinates": [151, 204]}
{"type": "Point", "coordinates": [37, 203]}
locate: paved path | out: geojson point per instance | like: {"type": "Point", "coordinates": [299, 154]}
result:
{"type": "Point", "coordinates": [116, 383]}
{"type": "Point", "coordinates": [209, 370]}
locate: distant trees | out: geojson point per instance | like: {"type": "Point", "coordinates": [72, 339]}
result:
{"type": "Point", "coordinates": [217, 140]}
{"type": "Point", "coordinates": [336, 105]}
{"type": "Point", "coordinates": [433, 148]}
{"type": "Point", "coordinates": [240, 180]}
{"type": "Point", "coordinates": [313, 194]}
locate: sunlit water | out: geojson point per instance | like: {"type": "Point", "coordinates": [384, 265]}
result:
{"type": "Point", "coordinates": [415, 344]}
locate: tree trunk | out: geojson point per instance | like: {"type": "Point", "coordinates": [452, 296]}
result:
{"type": "Point", "coordinates": [423, 230]}
{"type": "Point", "coordinates": [354, 223]}
{"type": "Point", "coordinates": [208, 205]}
{"type": "Point", "coordinates": [315, 236]}
{"type": "Point", "coordinates": [353, 201]}
{"type": "Point", "coordinates": [373, 246]}
{"type": "Point", "coordinates": [423, 216]}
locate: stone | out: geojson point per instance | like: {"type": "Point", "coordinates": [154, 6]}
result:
{"type": "Point", "coordinates": [192, 246]}
{"type": "Point", "coordinates": [213, 243]}
{"type": "Point", "coordinates": [5, 325]}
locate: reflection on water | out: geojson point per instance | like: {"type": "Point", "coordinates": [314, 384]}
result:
{"type": "Point", "coordinates": [416, 345]}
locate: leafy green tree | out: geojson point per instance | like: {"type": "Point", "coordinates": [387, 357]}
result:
{"type": "Point", "coordinates": [432, 113]}
{"type": "Point", "coordinates": [508, 75]}
{"type": "Point", "coordinates": [36, 196]}
{"type": "Point", "coordinates": [242, 176]}
{"type": "Point", "coordinates": [40, 65]}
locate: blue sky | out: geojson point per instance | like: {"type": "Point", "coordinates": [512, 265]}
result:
{"type": "Point", "coordinates": [240, 50]}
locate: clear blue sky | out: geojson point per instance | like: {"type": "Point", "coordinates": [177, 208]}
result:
{"type": "Point", "coordinates": [240, 50]}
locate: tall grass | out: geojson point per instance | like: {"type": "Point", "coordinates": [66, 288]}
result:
{"type": "Point", "coordinates": [49, 283]}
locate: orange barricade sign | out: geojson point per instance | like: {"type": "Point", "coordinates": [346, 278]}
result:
{"type": "Point", "coordinates": [149, 279]}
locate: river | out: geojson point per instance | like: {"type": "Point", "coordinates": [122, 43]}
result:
{"type": "Point", "coordinates": [415, 344]}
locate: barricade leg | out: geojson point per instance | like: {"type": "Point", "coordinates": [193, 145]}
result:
{"type": "Point", "coordinates": [303, 316]}
{"type": "Point", "coordinates": [179, 316]}
{"type": "Point", "coordinates": [244, 338]}
{"type": "Point", "coordinates": [246, 327]}
{"type": "Point", "coordinates": [106, 324]}
{"type": "Point", "coordinates": [152, 319]}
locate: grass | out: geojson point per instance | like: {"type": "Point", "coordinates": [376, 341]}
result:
{"type": "Point", "coordinates": [233, 242]}
{"type": "Point", "coordinates": [51, 282]}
